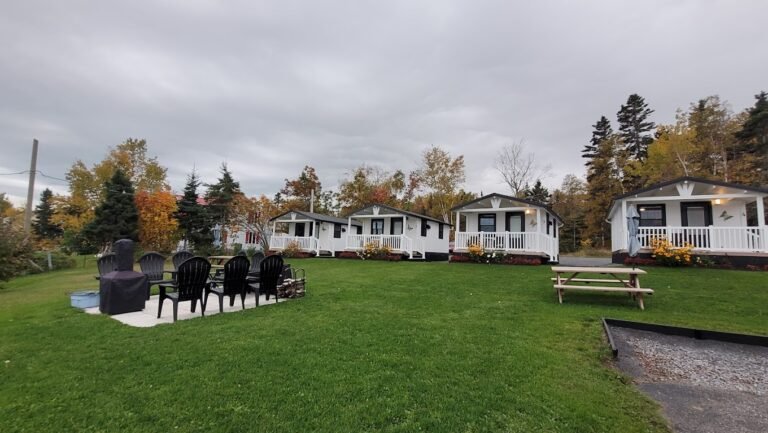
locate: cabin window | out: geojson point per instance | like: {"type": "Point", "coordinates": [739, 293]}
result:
{"type": "Point", "coordinates": [337, 231]}
{"type": "Point", "coordinates": [486, 222]}
{"type": "Point", "coordinates": [377, 227]}
{"type": "Point", "coordinates": [440, 231]}
{"type": "Point", "coordinates": [424, 227]}
{"type": "Point", "coordinates": [652, 215]}
{"type": "Point", "coordinates": [549, 223]}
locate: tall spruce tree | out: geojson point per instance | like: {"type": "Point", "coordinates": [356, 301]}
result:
{"type": "Point", "coordinates": [634, 127]}
{"type": "Point", "coordinates": [601, 132]}
{"type": "Point", "coordinates": [753, 137]}
{"type": "Point", "coordinates": [116, 217]}
{"type": "Point", "coordinates": [221, 199]}
{"type": "Point", "coordinates": [602, 185]}
{"type": "Point", "coordinates": [194, 222]}
{"type": "Point", "coordinates": [43, 226]}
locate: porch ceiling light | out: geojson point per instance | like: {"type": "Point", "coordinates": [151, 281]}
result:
{"type": "Point", "coordinates": [528, 211]}
{"type": "Point", "coordinates": [718, 201]}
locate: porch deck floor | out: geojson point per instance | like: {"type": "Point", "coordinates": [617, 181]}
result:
{"type": "Point", "coordinates": [147, 317]}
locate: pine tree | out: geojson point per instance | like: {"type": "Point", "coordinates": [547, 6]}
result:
{"type": "Point", "coordinates": [194, 222]}
{"type": "Point", "coordinates": [602, 131]}
{"type": "Point", "coordinates": [538, 193]}
{"type": "Point", "coordinates": [116, 217]}
{"type": "Point", "coordinates": [634, 127]}
{"type": "Point", "coordinates": [221, 195]}
{"type": "Point", "coordinates": [753, 137]}
{"type": "Point", "coordinates": [602, 186]}
{"type": "Point", "coordinates": [43, 226]}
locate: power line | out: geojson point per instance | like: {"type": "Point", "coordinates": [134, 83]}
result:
{"type": "Point", "coordinates": [40, 172]}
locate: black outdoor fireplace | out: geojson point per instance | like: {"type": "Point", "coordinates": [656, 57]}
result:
{"type": "Point", "coordinates": [123, 290]}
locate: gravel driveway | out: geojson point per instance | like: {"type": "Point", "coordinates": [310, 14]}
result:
{"type": "Point", "coordinates": [703, 385]}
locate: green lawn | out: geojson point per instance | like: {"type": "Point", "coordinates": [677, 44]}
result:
{"type": "Point", "coordinates": [375, 346]}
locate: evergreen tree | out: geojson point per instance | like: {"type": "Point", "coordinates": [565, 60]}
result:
{"type": "Point", "coordinates": [602, 131]}
{"type": "Point", "coordinates": [221, 195]}
{"type": "Point", "coordinates": [753, 137]}
{"type": "Point", "coordinates": [43, 226]}
{"type": "Point", "coordinates": [192, 216]}
{"type": "Point", "coordinates": [634, 127]}
{"type": "Point", "coordinates": [116, 217]}
{"type": "Point", "coordinates": [602, 185]}
{"type": "Point", "coordinates": [538, 193]}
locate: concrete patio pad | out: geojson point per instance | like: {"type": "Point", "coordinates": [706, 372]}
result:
{"type": "Point", "coordinates": [147, 317]}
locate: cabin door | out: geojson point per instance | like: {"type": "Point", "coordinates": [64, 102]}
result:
{"type": "Point", "coordinates": [299, 230]}
{"type": "Point", "coordinates": [515, 225]}
{"type": "Point", "coordinates": [696, 217]}
{"type": "Point", "coordinates": [396, 226]}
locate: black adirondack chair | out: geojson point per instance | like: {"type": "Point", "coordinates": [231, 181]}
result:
{"type": "Point", "coordinates": [152, 265]}
{"type": "Point", "coordinates": [233, 283]}
{"type": "Point", "coordinates": [191, 280]}
{"type": "Point", "coordinates": [106, 264]}
{"type": "Point", "coordinates": [180, 257]}
{"type": "Point", "coordinates": [270, 270]}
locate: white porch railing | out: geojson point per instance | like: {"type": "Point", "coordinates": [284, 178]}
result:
{"type": "Point", "coordinates": [735, 239]}
{"type": "Point", "coordinates": [305, 243]}
{"type": "Point", "coordinates": [395, 243]}
{"type": "Point", "coordinates": [523, 242]}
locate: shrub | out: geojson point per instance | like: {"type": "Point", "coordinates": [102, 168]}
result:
{"type": "Point", "coordinates": [15, 251]}
{"type": "Point", "coordinates": [478, 254]}
{"type": "Point", "coordinates": [668, 255]}
{"type": "Point", "coordinates": [293, 249]}
{"type": "Point", "coordinates": [374, 250]}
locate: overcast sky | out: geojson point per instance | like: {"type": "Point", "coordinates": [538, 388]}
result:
{"type": "Point", "coordinates": [269, 87]}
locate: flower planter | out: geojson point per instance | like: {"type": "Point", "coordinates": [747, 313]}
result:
{"type": "Point", "coordinates": [85, 299]}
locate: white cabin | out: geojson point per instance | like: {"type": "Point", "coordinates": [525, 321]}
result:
{"type": "Point", "coordinates": [714, 217]}
{"type": "Point", "coordinates": [507, 224]}
{"type": "Point", "coordinates": [404, 232]}
{"type": "Point", "coordinates": [312, 232]}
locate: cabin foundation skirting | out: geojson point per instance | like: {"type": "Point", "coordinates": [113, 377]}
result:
{"type": "Point", "coordinates": [719, 260]}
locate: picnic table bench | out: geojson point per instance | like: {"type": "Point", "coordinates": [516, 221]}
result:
{"type": "Point", "coordinates": [623, 280]}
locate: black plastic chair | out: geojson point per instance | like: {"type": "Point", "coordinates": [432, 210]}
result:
{"type": "Point", "coordinates": [270, 272]}
{"type": "Point", "coordinates": [233, 283]}
{"type": "Point", "coordinates": [106, 264]}
{"type": "Point", "coordinates": [191, 280]}
{"type": "Point", "coordinates": [152, 265]}
{"type": "Point", "coordinates": [180, 257]}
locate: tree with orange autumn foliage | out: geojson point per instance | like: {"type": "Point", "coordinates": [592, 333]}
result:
{"type": "Point", "coordinates": [158, 229]}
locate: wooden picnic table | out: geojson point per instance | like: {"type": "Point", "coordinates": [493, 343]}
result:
{"type": "Point", "coordinates": [217, 262]}
{"type": "Point", "coordinates": [623, 280]}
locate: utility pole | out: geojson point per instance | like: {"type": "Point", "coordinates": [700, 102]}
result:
{"type": "Point", "coordinates": [312, 201]}
{"type": "Point", "coordinates": [30, 188]}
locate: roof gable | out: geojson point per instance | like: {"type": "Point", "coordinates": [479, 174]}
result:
{"type": "Point", "coordinates": [312, 216]}
{"type": "Point", "coordinates": [363, 211]}
{"type": "Point", "coordinates": [487, 202]}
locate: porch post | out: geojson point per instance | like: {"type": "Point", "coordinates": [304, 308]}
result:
{"type": "Point", "coordinates": [316, 237]}
{"type": "Point", "coordinates": [761, 223]}
{"type": "Point", "coordinates": [349, 231]}
{"type": "Point", "coordinates": [624, 230]}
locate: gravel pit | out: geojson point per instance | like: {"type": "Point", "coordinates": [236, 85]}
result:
{"type": "Point", "coordinates": [703, 385]}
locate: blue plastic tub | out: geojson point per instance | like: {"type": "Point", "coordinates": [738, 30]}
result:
{"type": "Point", "coordinates": [85, 299]}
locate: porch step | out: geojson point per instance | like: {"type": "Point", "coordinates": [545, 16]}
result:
{"type": "Point", "coordinates": [416, 256]}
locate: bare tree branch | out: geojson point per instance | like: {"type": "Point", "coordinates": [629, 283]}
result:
{"type": "Point", "coordinates": [518, 168]}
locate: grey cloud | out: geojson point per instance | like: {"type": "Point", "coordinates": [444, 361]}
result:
{"type": "Point", "coordinates": [269, 87]}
